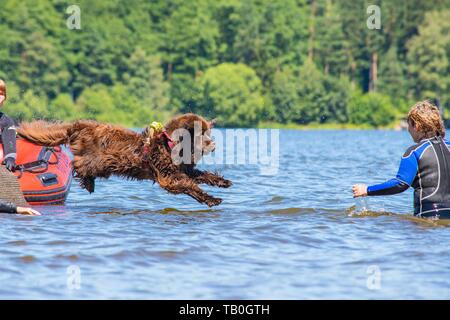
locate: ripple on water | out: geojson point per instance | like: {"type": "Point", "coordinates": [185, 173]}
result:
{"type": "Point", "coordinates": [154, 254]}
{"type": "Point", "coordinates": [291, 211]}
{"type": "Point", "coordinates": [70, 257]}
{"type": "Point", "coordinates": [59, 242]}
{"type": "Point", "coordinates": [27, 258]}
{"type": "Point", "coordinates": [17, 243]}
{"type": "Point", "coordinates": [178, 211]}
{"type": "Point", "coordinates": [275, 199]}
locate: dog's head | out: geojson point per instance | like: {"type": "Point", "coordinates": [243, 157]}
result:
{"type": "Point", "coordinates": [186, 137]}
{"type": "Point", "coordinates": [191, 132]}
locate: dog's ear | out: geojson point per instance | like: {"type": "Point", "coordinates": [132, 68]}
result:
{"type": "Point", "coordinates": [212, 123]}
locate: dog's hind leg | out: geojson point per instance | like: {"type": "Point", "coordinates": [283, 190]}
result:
{"type": "Point", "coordinates": [83, 173]}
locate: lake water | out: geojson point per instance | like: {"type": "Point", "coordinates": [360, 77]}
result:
{"type": "Point", "coordinates": [294, 235]}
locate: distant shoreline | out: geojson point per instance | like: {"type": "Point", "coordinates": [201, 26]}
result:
{"type": "Point", "coordinates": [397, 126]}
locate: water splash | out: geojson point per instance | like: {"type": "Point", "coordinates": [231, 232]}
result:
{"type": "Point", "coordinates": [361, 206]}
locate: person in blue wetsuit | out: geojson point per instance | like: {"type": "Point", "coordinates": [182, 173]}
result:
{"type": "Point", "coordinates": [425, 166]}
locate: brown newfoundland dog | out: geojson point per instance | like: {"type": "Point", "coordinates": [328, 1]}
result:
{"type": "Point", "coordinates": [101, 150]}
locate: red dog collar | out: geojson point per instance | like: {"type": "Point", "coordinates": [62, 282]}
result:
{"type": "Point", "coordinates": [170, 142]}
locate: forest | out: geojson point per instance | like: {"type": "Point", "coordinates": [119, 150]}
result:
{"type": "Point", "coordinates": [246, 63]}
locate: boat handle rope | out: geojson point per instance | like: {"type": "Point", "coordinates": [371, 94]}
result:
{"type": "Point", "coordinates": [31, 166]}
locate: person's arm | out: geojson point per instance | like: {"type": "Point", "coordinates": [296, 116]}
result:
{"type": "Point", "coordinates": [7, 207]}
{"type": "Point", "coordinates": [27, 210]}
{"type": "Point", "coordinates": [403, 180]}
{"type": "Point", "coordinates": [389, 187]}
{"type": "Point", "coordinates": [9, 142]}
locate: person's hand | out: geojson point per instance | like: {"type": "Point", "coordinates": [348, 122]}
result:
{"type": "Point", "coordinates": [359, 190]}
{"type": "Point", "coordinates": [29, 211]}
{"type": "Point", "coordinates": [10, 164]}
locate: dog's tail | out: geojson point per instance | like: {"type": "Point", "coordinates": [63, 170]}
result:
{"type": "Point", "coordinates": [45, 133]}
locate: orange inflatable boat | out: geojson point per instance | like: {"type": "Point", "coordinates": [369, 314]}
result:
{"type": "Point", "coordinates": [44, 173]}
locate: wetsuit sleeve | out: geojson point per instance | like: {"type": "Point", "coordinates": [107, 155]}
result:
{"type": "Point", "coordinates": [405, 177]}
{"type": "Point", "coordinates": [7, 207]}
{"type": "Point", "coordinates": [8, 137]}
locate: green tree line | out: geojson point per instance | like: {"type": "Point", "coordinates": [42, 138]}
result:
{"type": "Point", "coordinates": [245, 63]}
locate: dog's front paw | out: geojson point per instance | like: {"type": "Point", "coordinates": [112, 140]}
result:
{"type": "Point", "coordinates": [213, 202]}
{"type": "Point", "coordinates": [224, 183]}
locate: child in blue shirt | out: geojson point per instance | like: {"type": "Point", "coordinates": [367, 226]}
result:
{"type": "Point", "coordinates": [425, 166]}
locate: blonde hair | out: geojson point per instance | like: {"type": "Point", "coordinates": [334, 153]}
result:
{"type": "Point", "coordinates": [427, 119]}
{"type": "Point", "coordinates": [2, 88]}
